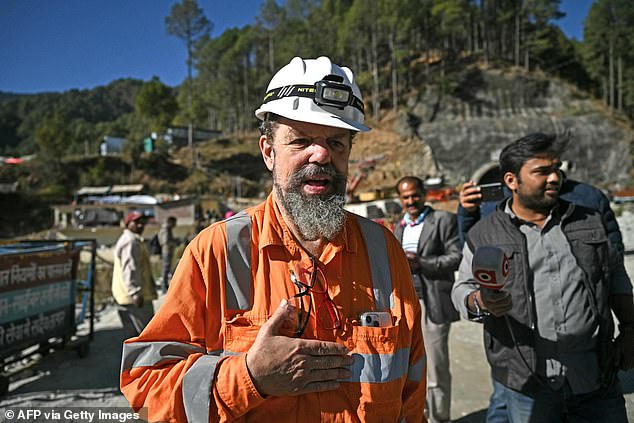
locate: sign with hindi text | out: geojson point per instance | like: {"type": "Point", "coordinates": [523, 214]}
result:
{"type": "Point", "coordinates": [37, 297]}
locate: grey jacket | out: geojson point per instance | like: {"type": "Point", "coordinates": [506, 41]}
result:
{"type": "Point", "coordinates": [439, 252]}
{"type": "Point", "coordinates": [515, 366]}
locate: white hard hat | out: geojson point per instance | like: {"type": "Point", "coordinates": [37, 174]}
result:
{"type": "Point", "coordinates": [316, 91]}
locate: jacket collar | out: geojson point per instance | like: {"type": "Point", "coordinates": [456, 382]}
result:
{"type": "Point", "coordinates": [562, 210]}
{"type": "Point", "coordinates": [407, 220]}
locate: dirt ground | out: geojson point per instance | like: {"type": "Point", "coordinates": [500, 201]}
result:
{"type": "Point", "coordinates": [62, 379]}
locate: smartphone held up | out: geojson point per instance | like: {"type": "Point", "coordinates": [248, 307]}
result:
{"type": "Point", "coordinates": [492, 191]}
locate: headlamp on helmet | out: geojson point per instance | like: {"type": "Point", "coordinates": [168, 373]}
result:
{"type": "Point", "coordinates": [330, 91]}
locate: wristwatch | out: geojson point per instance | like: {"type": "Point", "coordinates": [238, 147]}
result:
{"type": "Point", "coordinates": [479, 313]}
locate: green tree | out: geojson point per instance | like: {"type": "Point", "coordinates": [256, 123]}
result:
{"type": "Point", "coordinates": [221, 78]}
{"type": "Point", "coordinates": [188, 22]}
{"type": "Point", "coordinates": [156, 105]}
{"type": "Point", "coordinates": [52, 137]}
{"type": "Point", "coordinates": [607, 48]}
{"type": "Point", "coordinates": [359, 38]}
{"type": "Point", "coordinates": [539, 14]}
{"type": "Point", "coordinates": [9, 123]}
{"type": "Point", "coordinates": [271, 17]}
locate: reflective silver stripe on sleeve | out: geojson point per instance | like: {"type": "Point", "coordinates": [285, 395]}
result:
{"type": "Point", "coordinates": [379, 368]}
{"type": "Point", "coordinates": [238, 277]}
{"type": "Point", "coordinates": [415, 372]}
{"type": "Point", "coordinates": [196, 388]}
{"type": "Point", "coordinates": [379, 263]}
{"type": "Point", "coordinates": [147, 354]}
{"type": "Point", "coordinates": [198, 379]}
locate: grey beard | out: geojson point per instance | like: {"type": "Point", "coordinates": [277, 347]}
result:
{"type": "Point", "coordinates": [315, 216]}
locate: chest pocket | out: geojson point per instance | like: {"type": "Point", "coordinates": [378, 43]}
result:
{"type": "Point", "coordinates": [589, 246]}
{"type": "Point", "coordinates": [239, 334]}
{"type": "Point", "coordinates": [375, 353]}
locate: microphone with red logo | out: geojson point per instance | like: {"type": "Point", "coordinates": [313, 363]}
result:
{"type": "Point", "coordinates": [491, 268]}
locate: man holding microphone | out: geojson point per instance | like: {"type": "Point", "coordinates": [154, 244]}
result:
{"type": "Point", "coordinates": [549, 332]}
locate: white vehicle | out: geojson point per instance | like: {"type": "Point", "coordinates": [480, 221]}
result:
{"type": "Point", "coordinates": [376, 210]}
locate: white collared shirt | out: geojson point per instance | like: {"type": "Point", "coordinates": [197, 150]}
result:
{"type": "Point", "coordinates": [411, 235]}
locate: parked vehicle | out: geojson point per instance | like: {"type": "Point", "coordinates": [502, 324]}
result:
{"type": "Point", "coordinates": [97, 217]}
{"type": "Point", "coordinates": [383, 211]}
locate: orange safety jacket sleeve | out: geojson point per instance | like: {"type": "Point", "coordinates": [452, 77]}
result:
{"type": "Point", "coordinates": [166, 376]}
{"type": "Point", "coordinates": [179, 369]}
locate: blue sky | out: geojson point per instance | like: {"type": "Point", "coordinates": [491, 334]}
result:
{"type": "Point", "coordinates": [57, 45]}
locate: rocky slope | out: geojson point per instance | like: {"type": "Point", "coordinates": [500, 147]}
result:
{"type": "Point", "coordinates": [453, 134]}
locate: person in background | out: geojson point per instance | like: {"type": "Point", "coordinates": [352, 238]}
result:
{"type": "Point", "coordinates": [471, 209]}
{"type": "Point", "coordinates": [292, 310]}
{"type": "Point", "coordinates": [132, 282]}
{"type": "Point", "coordinates": [549, 332]}
{"type": "Point", "coordinates": [168, 245]}
{"type": "Point", "coordinates": [430, 241]}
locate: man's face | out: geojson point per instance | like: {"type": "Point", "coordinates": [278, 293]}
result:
{"type": "Point", "coordinates": [412, 198]}
{"type": "Point", "coordinates": [310, 165]}
{"type": "Point", "coordinates": [137, 226]}
{"type": "Point", "coordinates": [538, 183]}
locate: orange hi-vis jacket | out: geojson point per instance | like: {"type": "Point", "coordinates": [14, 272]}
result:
{"type": "Point", "coordinates": [189, 363]}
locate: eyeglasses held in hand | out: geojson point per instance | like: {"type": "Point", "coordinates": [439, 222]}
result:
{"type": "Point", "coordinates": [327, 314]}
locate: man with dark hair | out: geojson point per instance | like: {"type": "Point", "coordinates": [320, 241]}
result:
{"type": "Point", "coordinates": [132, 282]}
{"type": "Point", "coordinates": [471, 209]}
{"type": "Point", "coordinates": [548, 333]}
{"type": "Point", "coordinates": [515, 155]}
{"type": "Point", "coordinates": [430, 240]}
{"type": "Point", "coordinates": [294, 309]}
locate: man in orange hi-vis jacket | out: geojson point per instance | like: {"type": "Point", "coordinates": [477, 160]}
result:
{"type": "Point", "coordinates": [293, 310]}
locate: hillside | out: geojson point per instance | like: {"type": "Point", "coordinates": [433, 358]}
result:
{"type": "Point", "coordinates": [88, 115]}
{"type": "Point", "coordinates": [455, 133]}
{"type": "Point", "coordinates": [449, 134]}
{"type": "Point", "coordinates": [6, 95]}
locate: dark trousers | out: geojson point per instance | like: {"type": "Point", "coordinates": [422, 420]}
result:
{"type": "Point", "coordinates": [166, 270]}
{"type": "Point", "coordinates": [547, 406]}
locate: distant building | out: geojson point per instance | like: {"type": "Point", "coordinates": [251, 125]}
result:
{"type": "Point", "coordinates": [113, 194]}
{"type": "Point", "coordinates": [106, 205]}
{"type": "Point", "coordinates": [16, 160]}
{"type": "Point", "coordinates": [111, 146]}
{"type": "Point", "coordinates": [178, 136]}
